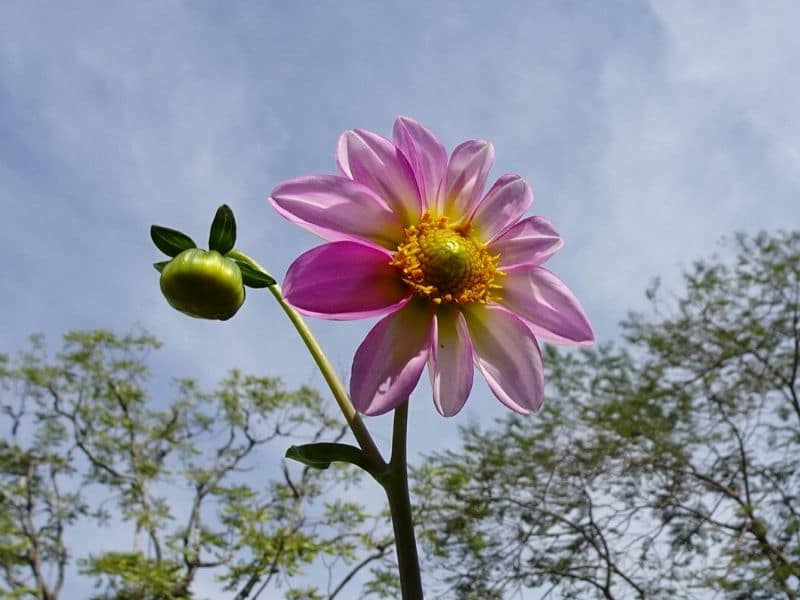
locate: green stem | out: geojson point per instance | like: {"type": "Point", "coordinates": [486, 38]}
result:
{"type": "Point", "coordinates": [395, 482]}
{"type": "Point", "coordinates": [352, 417]}
{"type": "Point", "coordinates": [393, 476]}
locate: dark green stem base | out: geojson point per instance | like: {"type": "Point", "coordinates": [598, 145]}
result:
{"type": "Point", "coordinates": [396, 485]}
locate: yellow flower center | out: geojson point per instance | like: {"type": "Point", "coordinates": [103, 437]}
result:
{"type": "Point", "coordinates": [446, 264]}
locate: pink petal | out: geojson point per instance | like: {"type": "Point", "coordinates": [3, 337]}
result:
{"type": "Point", "coordinates": [425, 154]}
{"type": "Point", "coordinates": [390, 360]}
{"type": "Point", "coordinates": [502, 206]}
{"type": "Point", "coordinates": [450, 362]}
{"type": "Point", "coordinates": [531, 241]}
{"type": "Point", "coordinates": [543, 335]}
{"type": "Point", "coordinates": [466, 177]}
{"type": "Point", "coordinates": [344, 280]}
{"type": "Point", "coordinates": [540, 297]}
{"type": "Point", "coordinates": [337, 208]}
{"type": "Point", "coordinates": [508, 356]}
{"type": "Point", "coordinates": [378, 164]}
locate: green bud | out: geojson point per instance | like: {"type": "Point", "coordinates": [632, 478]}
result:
{"type": "Point", "coordinates": [203, 284]}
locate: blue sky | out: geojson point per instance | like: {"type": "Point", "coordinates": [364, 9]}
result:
{"type": "Point", "coordinates": [648, 130]}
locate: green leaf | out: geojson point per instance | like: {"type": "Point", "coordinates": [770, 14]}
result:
{"type": "Point", "coordinates": [253, 278]}
{"type": "Point", "coordinates": [223, 230]}
{"type": "Point", "coordinates": [170, 241]}
{"type": "Point", "coordinates": [322, 454]}
{"type": "Point", "coordinates": [159, 266]}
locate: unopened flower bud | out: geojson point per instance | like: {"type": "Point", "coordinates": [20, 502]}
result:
{"type": "Point", "coordinates": [203, 284]}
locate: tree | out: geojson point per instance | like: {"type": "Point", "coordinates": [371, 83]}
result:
{"type": "Point", "coordinates": [667, 466]}
{"type": "Point", "coordinates": [188, 477]}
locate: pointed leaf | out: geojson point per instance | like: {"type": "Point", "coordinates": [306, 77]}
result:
{"type": "Point", "coordinates": [322, 454]}
{"type": "Point", "coordinates": [170, 241]}
{"type": "Point", "coordinates": [159, 266]}
{"type": "Point", "coordinates": [223, 230]}
{"type": "Point", "coordinates": [252, 278]}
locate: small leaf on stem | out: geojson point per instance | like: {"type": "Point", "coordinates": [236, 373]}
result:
{"type": "Point", "coordinates": [253, 278]}
{"type": "Point", "coordinates": [322, 454]}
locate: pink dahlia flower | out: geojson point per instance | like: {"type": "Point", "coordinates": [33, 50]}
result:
{"type": "Point", "coordinates": [457, 274]}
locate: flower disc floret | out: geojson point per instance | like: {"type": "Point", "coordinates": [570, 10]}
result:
{"type": "Point", "coordinates": [445, 264]}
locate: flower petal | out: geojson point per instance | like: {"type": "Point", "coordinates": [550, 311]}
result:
{"type": "Point", "coordinates": [378, 164]}
{"type": "Point", "coordinates": [425, 154]}
{"type": "Point", "coordinates": [390, 360]}
{"type": "Point", "coordinates": [540, 297]}
{"type": "Point", "coordinates": [344, 280]}
{"type": "Point", "coordinates": [507, 354]}
{"type": "Point", "coordinates": [337, 208]}
{"type": "Point", "coordinates": [466, 177]}
{"type": "Point", "coordinates": [502, 206]}
{"type": "Point", "coordinates": [531, 241]}
{"type": "Point", "coordinates": [450, 362]}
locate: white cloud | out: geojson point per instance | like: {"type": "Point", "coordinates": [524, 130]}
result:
{"type": "Point", "coordinates": [700, 142]}
{"type": "Point", "coordinates": [743, 55]}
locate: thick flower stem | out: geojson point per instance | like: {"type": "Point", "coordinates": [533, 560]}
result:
{"type": "Point", "coordinates": [395, 474]}
{"type": "Point", "coordinates": [395, 483]}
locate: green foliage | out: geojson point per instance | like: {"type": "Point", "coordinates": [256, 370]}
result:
{"type": "Point", "coordinates": [383, 583]}
{"type": "Point", "coordinates": [132, 575]}
{"type": "Point", "coordinates": [39, 496]}
{"type": "Point", "coordinates": [198, 479]}
{"type": "Point", "coordinates": [670, 466]}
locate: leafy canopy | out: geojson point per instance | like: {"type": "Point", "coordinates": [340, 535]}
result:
{"type": "Point", "coordinates": [196, 480]}
{"type": "Point", "coordinates": [669, 465]}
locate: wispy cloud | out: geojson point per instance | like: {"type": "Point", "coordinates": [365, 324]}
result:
{"type": "Point", "coordinates": [699, 142]}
